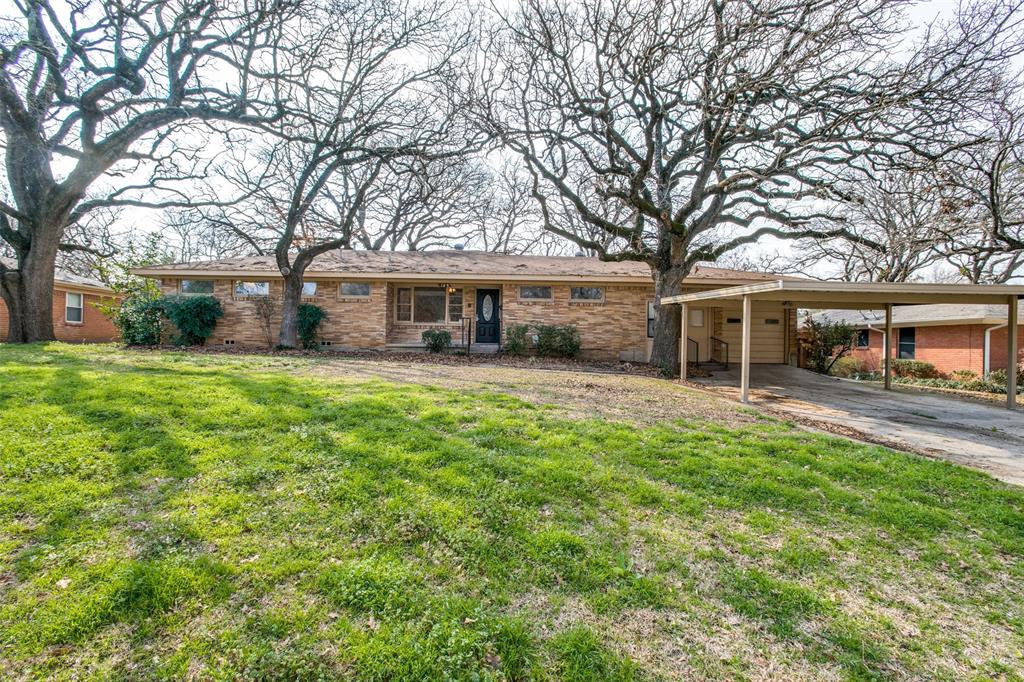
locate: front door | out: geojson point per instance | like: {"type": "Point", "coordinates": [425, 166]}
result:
{"type": "Point", "coordinates": [488, 315]}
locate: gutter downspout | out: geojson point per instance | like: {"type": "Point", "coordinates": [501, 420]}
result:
{"type": "Point", "coordinates": [987, 353]}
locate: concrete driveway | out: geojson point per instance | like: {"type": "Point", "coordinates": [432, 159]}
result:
{"type": "Point", "coordinates": [972, 433]}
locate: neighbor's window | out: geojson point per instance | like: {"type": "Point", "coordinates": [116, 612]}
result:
{"type": "Point", "coordinates": [309, 289]}
{"type": "Point", "coordinates": [907, 343]}
{"type": "Point", "coordinates": [196, 286]}
{"type": "Point", "coordinates": [650, 319]}
{"type": "Point", "coordinates": [535, 293]}
{"type": "Point", "coordinates": [427, 305]}
{"type": "Point", "coordinates": [696, 317]}
{"type": "Point", "coordinates": [862, 340]}
{"type": "Point", "coordinates": [587, 294]}
{"type": "Point", "coordinates": [772, 320]}
{"type": "Point", "coordinates": [355, 289]}
{"type": "Point", "coordinates": [252, 288]}
{"type": "Point", "coordinates": [73, 307]}
{"type": "Point", "coordinates": [733, 320]}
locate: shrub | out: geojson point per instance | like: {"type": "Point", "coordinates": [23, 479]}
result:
{"type": "Point", "coordinates": [558, 341]}
{"type": "Point", "coordinates": [437, 340]}
{"type": "Point", "coordinates": [998, 376]}
{"type": "Point", "coordinates": [847, 367]}
{"type": "Point", "coordinates": [826, 342]}
{"type": "Point", "coordinates": [914, 369]}
{"type": "Point", "coordinates": [194, 316]}
{"type": "Point", "coordinates": [964, 375]}
{"type": "Point", "coordinates": [516, 341]}
{"type": "Point", "coordinates": [139, 318]}
{"type": "Point", "coordinates": [308, 323]}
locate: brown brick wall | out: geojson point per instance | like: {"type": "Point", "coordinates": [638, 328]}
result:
{"type": "Point", "coordinates": [948, 347]}
{"type": "Point", "coordinates": [95, 326]}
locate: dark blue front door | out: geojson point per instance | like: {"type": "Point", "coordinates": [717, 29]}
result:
{"type": "Point", "coordinates": [488, 315]}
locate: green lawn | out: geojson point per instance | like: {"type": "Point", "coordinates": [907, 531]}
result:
{"type": "Point", "coordinates": [165, 515]}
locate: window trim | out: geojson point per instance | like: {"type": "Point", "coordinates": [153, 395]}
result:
{"type": "Point", "coordinates": [236, 282]}
{"type": "Point", "coordinates": [412, 306]}
{"type": "Point", "coordinates": [573, 299]}
{"type": "Point", "coordinates": [316, 288]}
{"type": "Point", "coordinates": [900, 344]}
{"type": "Point", "coordinates": [703, 317]}
{"type": "Point", "coordinates": [182, 292]}
{"type": "Point", "coordinates": [549, 299]}
{"type": "Point", "coordinates": [80, 307]}
{"type": "Point", "coordinates": [342, 294]}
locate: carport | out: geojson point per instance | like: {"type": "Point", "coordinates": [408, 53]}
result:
{"type": "Point", "coordinates": [855, 296]}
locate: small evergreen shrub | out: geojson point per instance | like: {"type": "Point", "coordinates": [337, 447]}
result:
{"type": "Point", "coordinates": [826, 342]}
{"type": "Point", "coordinates": [308, 323]}
{"type": "Point", "coordinates": [139, 319]}
{"type": "Point", "coordinates": [914, 369]}
{"type": "Point", "coordinates": [194, 316]}
{"type": "Point", "coordinates": [558, 341]}
{"type": "Point", "coordinates": [964, 375]}
{"type": "Point", "coordinates": [516, 341]}
{"type": "Point", "coordinates": [437, 340]}
{"type": "Point", "coordinates": [847, 367]}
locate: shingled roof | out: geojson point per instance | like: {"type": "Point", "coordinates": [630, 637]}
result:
{"type": "Point", "coordinates": [921, 315]}
{"type": "Point", "coordinates": [452, 264]}
{"type": "Point", "coordinates": [68, 279]}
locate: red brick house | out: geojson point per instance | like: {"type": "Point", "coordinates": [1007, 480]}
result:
{"type": "Point", "coordinates": [385, 300]}
{"type": "Point", "coordinates": [75, 316]}
{"type": "Point", "coordinates": [951, 337]}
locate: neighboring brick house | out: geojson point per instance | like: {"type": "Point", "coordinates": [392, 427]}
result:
{"type": "Point", "coordinates": [385, 300]}
{"type": "Point", "coordinates": [951, 337]}
{"type": "Point", "coordinates": [75, 315]}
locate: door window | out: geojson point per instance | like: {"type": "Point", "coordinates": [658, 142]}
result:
{"type": "Point", "coordinates": [487, 308]}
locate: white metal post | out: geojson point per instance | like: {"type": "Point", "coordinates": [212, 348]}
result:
{"type": "Point", "coordinates": [1011, 352]}
{"type": "Point", "coordinates": [887, 342]}
{"type": "Point", "coordinates": [684, 334]}
{"type": "Point", "coordinates": [745, 353]}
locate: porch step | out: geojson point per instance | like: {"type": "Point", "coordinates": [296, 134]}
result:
{"type": "Point", "coordinates": [475, 349]}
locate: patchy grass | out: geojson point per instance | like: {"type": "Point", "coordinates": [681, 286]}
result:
{"type": "Point", "coordinates": [220, 517]}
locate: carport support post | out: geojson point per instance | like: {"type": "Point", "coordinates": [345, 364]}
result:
{"type": "Point", "coordinates": [745, 353]}
{"type": "Point", "coordinates": [1011, 352]}
{"type": "Point", "coordinates": [887, 342]}
{"type": "Point", "coordinates": [684, 345]}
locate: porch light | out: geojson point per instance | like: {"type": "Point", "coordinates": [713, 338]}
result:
{"type": "Point", "coordinates": [449, 288]}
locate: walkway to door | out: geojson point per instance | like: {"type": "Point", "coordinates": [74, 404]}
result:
{"type": "Point", "coordinates": [979, 435]}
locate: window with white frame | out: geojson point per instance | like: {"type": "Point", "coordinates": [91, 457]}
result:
{"type": "Point", "coordinates": [74, 307]}
{"type": "Point", "coordinates": [428, 305]}
{"type": "Point", "coordinates": [195, 286]}
{"type": "Point", "coordinates": [696, 317]}
{"type": "Point", "coordinates": [252, 288]}
{"type": "Point", "coordinates": [308, 289]}
{"type": "Point", "coordinates": [355, 289]}
{"type": "Point", "coordinates": [594, 294]}
{"type": "Point", "coordinates": [535, 293]}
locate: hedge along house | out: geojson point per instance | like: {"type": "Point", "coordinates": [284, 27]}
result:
{"type": "Point", "coordinates": [951, 337]}
{"type": "Point", "coordinates": [379, 300]}
{"type": "Point", "coordinates": [852, 296]}
{"type": "Point", "coordinates": [75, 315]}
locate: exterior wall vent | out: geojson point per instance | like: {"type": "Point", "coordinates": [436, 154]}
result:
{"type": "Point", "coordinates": [229, 342]}
{"type": "Point", "coordinates": [324, 342]}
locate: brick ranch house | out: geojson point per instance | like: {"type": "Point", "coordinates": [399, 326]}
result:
{"type": "Point", "coordinates": [951, 337]}
{"type": "Point", "coordinates": [75, 316]}
{"type": "Point", "coordinates": [385, 300]}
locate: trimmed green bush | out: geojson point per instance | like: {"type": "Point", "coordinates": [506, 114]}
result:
{"type": "Point", "coordinates": [558, 341]}
{"type": "Point", "coordinates": [437, 340]}
{"type": "Point", "coordinates": [308, 323]}
{"type": "Point", "coordinates": [139, 319]}
{"type": "Point", "coordinates": [846, 367]}
{"type": "Point", "coordinates": [516, 340]}
{"type": "Point", "coordinates": [194, 316]}
{"type": "Point", "coordinates": [914, 369]}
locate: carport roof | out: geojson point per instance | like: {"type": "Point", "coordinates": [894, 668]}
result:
{"type": "Point", "coordinates": [855, 295]}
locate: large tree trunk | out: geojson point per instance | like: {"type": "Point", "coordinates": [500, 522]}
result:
{"type": "Point", "coordinates": [29, 292]}
{"type": "Point", "coordinates": [290, 301]}
{"type": "Point", "coordinates": [665, 352]}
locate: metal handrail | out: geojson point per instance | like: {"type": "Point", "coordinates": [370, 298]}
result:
{"type": "Point", "coordinates": [696, 350]}
{"type": "Point", "coordinates": [714, 358]}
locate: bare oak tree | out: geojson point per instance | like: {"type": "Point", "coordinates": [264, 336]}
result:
{"type": "Point", "coordinates": [92, 97]}
{"type": "Point", "coordinates": [711, 124]}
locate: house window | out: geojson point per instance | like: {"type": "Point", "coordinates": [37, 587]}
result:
{"type": "Point", "coordinates": [772, 320]}
{"type": "Point", "coordinates": [907, 342]}
{"type": "Point", "coordinates": [308, 289]}
{"type": "Point", "coordinates": [733, 320]}
{"type": "Point", "coordinates": [650, 319]}
{"type": "Point", "coordinates": [252, 288]}
{"type": "Point", "coordinates": [862, 339]}
{"type": "Point", "coordinates": [428, 305]}
{"type": "Point", "coordinates": [73, 307]}
{"type": "Point", "coordinates": [586, 294]}
{"type": "Point", "coordinates": [696, 317]}
{"type": "Point", "coordinates": [535, 293]}
{"type": "Point", "coordinates": [196, 286]}
{"type": "Point", "coordinates": [355, 289]}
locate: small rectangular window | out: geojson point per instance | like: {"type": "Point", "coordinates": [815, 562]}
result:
{"type": "Point", "coordinates": [74, 309]}
{"type": "Point", "coordinates": [696, 317]}
{"type": "Point", "coordinates": [535, 293]}
{"type": "Point", "coordinates": [309, 289]}
{"type": "Point", "coordinates": [650, 319]}
{"type": "Point", "coordinates": [907, 343]}
{"type": "Point", "coordinates": [587, 294]}
{"type": "Point", "coordinates": [355, 289]}
{"type": "Point", "coordinates": [252, 288]}
{"type": "Point", "coordinates": [772, 320]}
{"type": "Point", "coordinates": [733, 320]}
{"type": "Point", "coordinates": [455, 305]}
{"type": "Point", "coordinates": [196, 286]}
{"type": "Point", "coordinates": [862, 340]}
{"type": "Point", "coordinates": [403, 305]}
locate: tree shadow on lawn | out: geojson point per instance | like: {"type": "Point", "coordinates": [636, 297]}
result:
{"type": "Point", "coordinates": [432, 511]}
